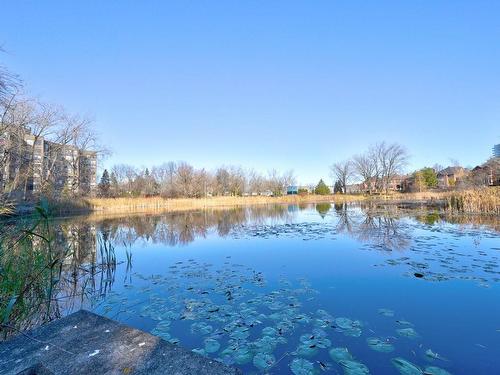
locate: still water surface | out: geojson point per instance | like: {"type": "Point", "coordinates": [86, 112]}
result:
{"type": "Point", "coordinates": [311, 289]}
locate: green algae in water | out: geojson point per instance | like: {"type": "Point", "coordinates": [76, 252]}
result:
{"type": "Point", "coordinates": [300, 366]}
{"type": "Point", "coordinates": [379, 345]}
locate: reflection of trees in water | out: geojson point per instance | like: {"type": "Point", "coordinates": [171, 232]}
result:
{"type": "Point", "coordinates": [345, 220]}
{"type": "Point", "coordinates": [381, 227]}
{"type": "Point", "coordinates": [180, 228]}
{"type": "Point", "coordinates": [384, 226]}
{"type": "Point", "coordinates": [323, 208]}
{"type": "Point", "coordinates": [490, 222]}
{"type": "Point", "coordinates": [59, 266]}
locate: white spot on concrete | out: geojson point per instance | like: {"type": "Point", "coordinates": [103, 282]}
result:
{"type": "Point", "coordinates": [94, 353]}
{"type": "Point", "coordinates": [142, 344]}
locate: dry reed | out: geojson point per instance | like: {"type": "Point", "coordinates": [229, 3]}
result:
{"type": "Point", "coordinates": [110, 205]}
{"type": "Point", "coordinates": [485, 200]}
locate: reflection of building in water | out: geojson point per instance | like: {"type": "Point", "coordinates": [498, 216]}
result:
{"type": "Point", "coordinates": [78, 241]}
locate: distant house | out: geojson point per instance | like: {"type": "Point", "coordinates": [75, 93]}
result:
{"type": "Point", "coordinates": [451, 176]}
{"type": "Point", "coordinates": [396, 183]}
{"type": "Point", "coordinates": [266, 193]}
{"type": "Point", "coordinates": [291, 190]}
{"type": "Point", "coordinates": [354, 189]}
{"type": "Point", "coordinates": [487, 174]}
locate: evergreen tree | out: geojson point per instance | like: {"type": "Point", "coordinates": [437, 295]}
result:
{"type": "Point", "coordinates": [104, 184]}
{"type": "Point", "coordinates": [337, 188]}
{"type": "Point", "coordinates": [430, 177]}
{"type": "Point", "coordinates": [321, 188]}
{"type": "Point", "coordinates": [425, 178]}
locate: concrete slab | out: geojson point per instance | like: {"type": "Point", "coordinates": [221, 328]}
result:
{"type": "Point", "coordinates": [86, 343]}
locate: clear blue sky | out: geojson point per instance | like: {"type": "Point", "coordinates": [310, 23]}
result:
{"type": "Point", "coordinates": [284, 84]}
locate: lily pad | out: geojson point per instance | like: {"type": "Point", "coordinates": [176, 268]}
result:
{"type": "Point", "coordinates": [264, 361]}
{"type": "Point", "coordinates": [432, 355]}
{"type": "Point", "coordinates": [386, 312]}
{"type": "Point", "coordinates": [269, 331]}
{"type": "Point", "coordinates": [433, 370]}
{"type": "Point", "coordinates": [348, 327]}
{"type": "Point", "coordinates": [242, 356]}
{"type": "Point", "coordinates": [300, 366]}
{"type": "Point", "coordinates": [211, 345]}
{"type": "Point", "coordinates": [407, 332]}
{"type": "Point", "coordinates": [305, 350]}
{"type": "Point", "coordinates": [379, 345]}
{"type": "Point", "coordinates": [200, 351]}
{"type": "Point", "coordinates": [406, 367]}
{"type": "Point", "coordinates": [339, 354]}
{"type": "Point", "coordinates": [353, 367]}
{"type": "Point", "coordinates": [201, 328]}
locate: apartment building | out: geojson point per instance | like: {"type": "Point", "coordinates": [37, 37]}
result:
{"type": "Point", "coordinates": [30, 163]}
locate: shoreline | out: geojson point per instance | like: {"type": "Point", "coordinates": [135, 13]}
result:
{"type": "Point", "coordinates": [480, 201]}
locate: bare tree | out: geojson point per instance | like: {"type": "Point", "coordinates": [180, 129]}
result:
{"type": "Point", "coordinates": [392, 159]}
{"type": "Point", "coordinates": [342, 171]}
{"type": "Point", "coordinates": [365, 168]}
{"type": "Point", "coordinates": [256, 182]}
{"type": "Point", "coordinates": [185, 179]}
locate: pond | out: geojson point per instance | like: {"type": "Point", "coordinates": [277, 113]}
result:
{"type": "Point", "coordinates": [307, 289]}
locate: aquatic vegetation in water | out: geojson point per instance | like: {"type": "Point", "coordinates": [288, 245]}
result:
{"type": "Point", "coordinates": [408, 332]}
{"type": "Point", "coordinates": [231, 307]}
{"type": "Point", "coordinates": [264, 361]}
{"type": "Point", "coordinates": [300, 366]}
{"type": "Point", "coordinates": [433, 370]}
{"type": "Point", "coordinates": [348, 327]}
{"type": "Point", "coordinates": [211, 345]}
{"type": "Point", "coordinates": [201, 328]}
{"type": "Point", "coordinates": [379, 345]}
{"type": "Point", "coordinates": [354, 368]}
{"type": "Point", "coordinates": [432, 355]}
{"type": "Point", "coordinates": [406, 367]}
{"type": "Point", "coordinates": [386, 312]}
{"type": "Point", "coordinates": [339, 354]}
{"type": "Point", "coordinates": [242, 355]}
{"type": "Point", "coordinates": [347, 362]}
